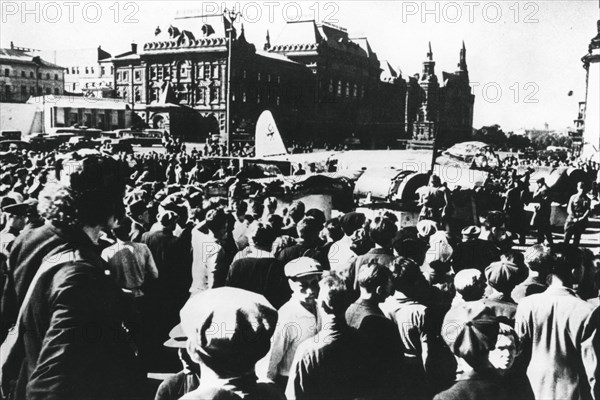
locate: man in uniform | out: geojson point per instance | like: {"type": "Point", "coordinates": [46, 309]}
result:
{"type": "Point", "coordinates": [541, 217]}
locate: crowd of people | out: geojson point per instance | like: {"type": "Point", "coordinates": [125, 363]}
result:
{"type": "Point", "coordinates": [119, 267]}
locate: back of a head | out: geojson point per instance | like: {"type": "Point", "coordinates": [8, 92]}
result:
{"type": "Point", "coordinates": [297, 211]}
{"type": "Point", "coordinates": [308, 229]}
{"type": "Point", "coordinates": [317, 214]}
{"type": "Point", "coordinates": [562, 265]}
{"type": "Point", "coordinates": [123, 229]}
{"type": "Point", "coordinates": [352, 221]}
{"type": "Point", "coordinates": [373, 275]}
{"type": "Point", "coordinates": [215, 219]}
{"type": "Point", "coordinates": [406, 274]}
{"type": "Point", "coordinates": [89, 190]}
{"type": "Point", "coordinates": [334, 297]}
{"type": "Point", "coordinates": [538, 258]}
{"type": "Point", "coordinates": [382, 231]}
{"type": "Point", "coordinates": [262, 235]}
{"type": "Point", "coordinates": [470, 284]}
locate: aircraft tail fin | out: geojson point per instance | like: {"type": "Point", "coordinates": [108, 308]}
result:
{"type": "Point", "coordinates": [268, 141]}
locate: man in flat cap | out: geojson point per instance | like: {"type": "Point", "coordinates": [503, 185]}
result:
{"type": "Point", "coordinates": [471, 331]}
{"type": "Point", "coordinates": [16, 215]}
{"type": "Point", "coordinates": [473, 252]}
{"type": "Point", "coordinates": [227, 338]}
{"type": "Point", "coordinates": [186, 380]}
{"type": "Point", "coordinates": [298, 318]}
{"type": "Point", "coordinates": [502, 277]}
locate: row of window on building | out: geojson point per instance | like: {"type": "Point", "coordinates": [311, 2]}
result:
{"type": "Point", "coordinates": [87, 70]}
{"type": "Point", "coordinates": [31, 74]}
{"type": "Point", "coordinates": [346, 89]}
{"type": "Point", "coordinates": [203, 71]}
{"type": "Point", "coordinates": [31, 90]}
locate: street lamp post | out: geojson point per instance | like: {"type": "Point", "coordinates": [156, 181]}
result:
{"type": "Point", "coordinates": [231, 15]}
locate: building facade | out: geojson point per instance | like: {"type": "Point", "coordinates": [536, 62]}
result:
{"type": "Point", "coordinates": [23, 74]}
{"type": "Point", "coordinates": [322, 86]}
{"type": "Point", "coordinates": [87, 71]}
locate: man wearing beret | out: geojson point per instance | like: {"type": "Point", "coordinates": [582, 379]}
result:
{"type": "Point", "coordinates": [226, 338]}
{"type": "Point", "coordinates": [471, 331]}
{"type": "Point", "coordinates": [562, 334]}
{"type": "Point", "coordinates": [502, 277]}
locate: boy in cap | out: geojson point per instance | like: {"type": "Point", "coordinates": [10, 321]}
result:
{"type": "Point", "coordinates": [502, 277]}
{"type": "Point", "coordinates": [471, 332]}
{"type": "Point", "coordinates": [186, 380]}
{"type": "Point", "coordinates": [226, 338]}
{"type": "Point", "coordinates": [298, 318]}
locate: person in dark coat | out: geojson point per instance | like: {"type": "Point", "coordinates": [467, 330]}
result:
{"type": "Point", "coordinates": [474, 334]}
{"type": "Point", "coordinates": [472, 252]}
{"type": "Point", "coordinates": [259, 274]}
{"type": "Point", "coordinates": [228, 358]}
{"type": "Point", "coordinates": [165, 296]}
{"type": "Point", "coordinates": [538, 259]}
{"type": "Point", "coordinates": [75, 346]}
{"type": "Point", "coordinates": [308, 243]}
{"type": "Point", "coordinates": [381, 232]}
{"type": "Point", "coordinates": [378, 334]}
{"type": "Point", "coordinates": [514, 208]}
{"type": "Point", "coordinates": [543, 211]}
{"type": "Point", "coordinates": [328, 366]}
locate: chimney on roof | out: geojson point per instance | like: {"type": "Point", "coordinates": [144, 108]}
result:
{"type": "Point", "coordinates": [12, 45]}
{"type": "Point", "coordinates": [134, 48]}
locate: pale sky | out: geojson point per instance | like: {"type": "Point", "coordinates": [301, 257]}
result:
{"type": "Point", "coordinates": [523, 56]}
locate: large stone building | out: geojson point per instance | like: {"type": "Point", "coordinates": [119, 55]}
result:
{"type": "Point", "coordinates": [321, 84]}
{"type": "Point", "coordinates": [23, 74]}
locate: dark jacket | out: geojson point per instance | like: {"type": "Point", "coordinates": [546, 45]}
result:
{"type": "Point", "coordinates": [480, 385]}
{"type": "Point", "coordinates": [28, 251]}
{"type": "Point", "coordinates": [477, 254]}
{"type": "Point", "coordinates": [380, 340]}
{"type": "Point", "coordinates": [261, 275]}
{"type": "Point", "coordinates": [75, 345]}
